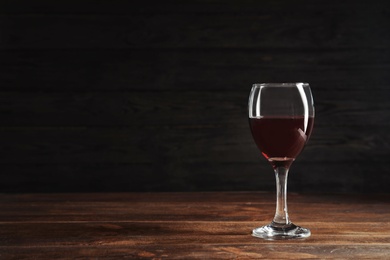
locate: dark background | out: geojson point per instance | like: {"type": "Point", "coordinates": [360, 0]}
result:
{"type": "Point", "coordinates": [145, 96]}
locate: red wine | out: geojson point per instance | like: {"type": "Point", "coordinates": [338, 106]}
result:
{"type": "Point", "coordinates": [281, 138]}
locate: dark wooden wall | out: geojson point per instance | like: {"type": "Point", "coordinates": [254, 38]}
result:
{"type": "Point", "coordinates": [145, 96]}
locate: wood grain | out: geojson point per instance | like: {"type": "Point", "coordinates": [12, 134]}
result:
{"type": "Point", "coordinates": [189, 225]}
{"type": "Point", "coordinates": [176, 6]}
{"type": "Point", "coordinates": [178, 109]}
{"type": "Point", "coordinates": [64, 70]}
{"type": "Point", "coordinates": [208, 30]}
{"type": "Point", "coordinates": [146, 96]}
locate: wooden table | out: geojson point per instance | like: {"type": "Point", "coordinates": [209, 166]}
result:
{"type": "Point", "coordinates": [188, 226]}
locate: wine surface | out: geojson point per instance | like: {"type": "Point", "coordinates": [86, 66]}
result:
{"type": "Point", "coordinates": [281, 138]}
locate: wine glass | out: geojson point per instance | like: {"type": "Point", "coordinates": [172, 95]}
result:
{"type": "Point", "coordinates": [281, 117]}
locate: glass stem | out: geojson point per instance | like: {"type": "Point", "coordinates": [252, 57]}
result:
{"type": "Point", "coordinates": [281, 215]}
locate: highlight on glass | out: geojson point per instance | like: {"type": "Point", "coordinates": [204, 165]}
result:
{"type": "Point", "coordinates": [281, 118]}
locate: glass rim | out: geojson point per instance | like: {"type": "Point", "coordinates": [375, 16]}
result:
{"type": "Point", "coordinates": [281, 84]}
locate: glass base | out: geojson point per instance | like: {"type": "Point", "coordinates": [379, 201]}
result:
{"type": "Point", "coordinates": [272, 232]}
